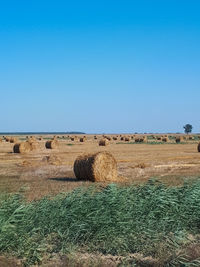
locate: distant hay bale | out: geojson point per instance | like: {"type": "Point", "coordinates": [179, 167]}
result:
{"type": "Point", "coordinates": [108, 138]}
{"type": "Point", "coordinates": [159, 138]}
{"type": "Point", "coordinates": [99, 167]}
{"type": "Point", "coordinates": [72, 138]}
{"type": "Point", "coordinates": [198, 147]}
{"type": "Point", "coordinates": [127, 139]}
{"type": "Point", "coordinates": [165, 139]}
{"type": "Point", "coordinates": [191, 137]}
{"type": "Point", "coordinates": [51, 144]}
{"type": "Point", "coordinates": [114, 138]}
{"type": "Point", "coordinates": [103, 142]}
{"type": "Point", "coordinates": [23, 147]}
{"type": "Point", "coordinates": [122, 138]}
{"type": "Point", "coordinates": [95, 137]}
{"type": "Point", "coordinates": [7, 139]}
{"type": "Point", "coordinates": [82, 139]}
{"type": "Point", "coordinates": [13, 140]}
{"type": "Point", "coordinates": [179, 139]}
{"type": "Point", "coordinates": [139, 139]}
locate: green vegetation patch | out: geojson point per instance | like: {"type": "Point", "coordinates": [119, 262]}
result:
{"type": "Point", "coordinates": [151, 219]}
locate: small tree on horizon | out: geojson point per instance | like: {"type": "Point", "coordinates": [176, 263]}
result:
{"type": "Point", "coordinates": [188, 128]}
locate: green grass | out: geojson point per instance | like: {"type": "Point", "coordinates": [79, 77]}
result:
{"type": "Point", "coordinates": [151, 219]}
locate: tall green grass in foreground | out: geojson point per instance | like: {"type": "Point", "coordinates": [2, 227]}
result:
{"type": "Point", "coordinates": [151, 219]}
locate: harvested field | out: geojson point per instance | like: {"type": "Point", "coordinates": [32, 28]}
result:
{"type": "Point", "coordinates": [136, 163]}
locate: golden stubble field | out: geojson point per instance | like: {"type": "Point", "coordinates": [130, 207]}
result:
{"type": "Point", "coordinates": [36, 174]}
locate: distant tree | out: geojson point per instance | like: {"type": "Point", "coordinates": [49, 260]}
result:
{"type": "Point", "coordinates": [188, 128]}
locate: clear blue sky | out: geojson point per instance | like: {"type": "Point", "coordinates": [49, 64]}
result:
{"type": "Point", "coordinates": [99, 66]}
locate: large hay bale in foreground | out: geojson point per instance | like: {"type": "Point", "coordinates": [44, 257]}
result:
{"type": "Point", "coordinates": [103, 142]}
{"type": "Point", "coordinates": [51, 144]}
{"type": "Point", "coordinates": [198, 147]}
{"type": "Point", "coordinates": [23, 147]}
{"type": "Point", "coordinates": [99, 167]}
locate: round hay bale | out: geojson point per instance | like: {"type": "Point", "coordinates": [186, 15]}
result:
{"type": "Point", "coordinates": [23, 147]}
{"type": "Point", "coordinates": [51, 144]}
{"type": "Point", "coordinates": [165, 139]}
{"type": "Point", "coordinates": [159, 138]}
{"type": "Point", "coordinates": [198, 147]}
{"type": "Point", "coordinates": [139, 140]}
{"type": "Point", "coordinates": [179, 139]}
{"type": "Point", "coordinates": [103, 142]}
{"type": "Point", "coordinates": [7, 139]}
{"type": "Point", "coordinates": [114, 138]}
{"type": "Point", "coordinates": [122, 138]}
{"type": "Point", "coordinates": [82, 139]}
{"type": "Point", "coordinates": [99, 167]}
{"type": "Point", "coordinates": [13, 140]}
{"type": "Point", "coordinates": [127, 139]}
{"type": "Point", "coordinates": [72, 138]}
